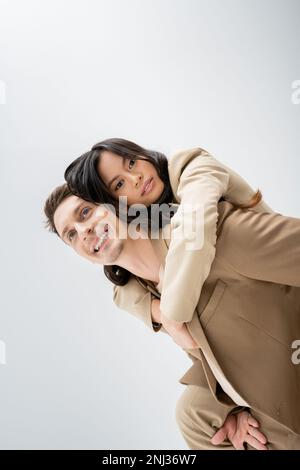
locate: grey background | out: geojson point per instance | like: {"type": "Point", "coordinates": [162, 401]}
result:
{"type": "Point", "coordinates": [168, 74]}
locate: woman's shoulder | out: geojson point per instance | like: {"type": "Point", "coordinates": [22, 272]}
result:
{"type": "Point", "coordinates": [186, 162]}
{"type": "Point", "coordinates": [178, 160]}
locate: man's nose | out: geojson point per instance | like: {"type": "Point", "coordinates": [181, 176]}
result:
{"type": "Point", "coordinates": [88, 227]}
{"type": "Point", "coordinates": [83, 230]}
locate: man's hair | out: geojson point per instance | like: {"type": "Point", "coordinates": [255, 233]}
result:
{"type": "Point", "coordinates": [58, 195]}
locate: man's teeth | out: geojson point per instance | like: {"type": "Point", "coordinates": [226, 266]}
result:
{"type": "Point", "coordinates": [102, 238]}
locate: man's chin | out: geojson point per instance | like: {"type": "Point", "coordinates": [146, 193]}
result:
{"type": "Point", "coordinates": [110, 253]}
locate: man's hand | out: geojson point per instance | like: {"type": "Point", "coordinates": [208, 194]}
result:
{"type": "Point", "coordinates": [239, 428]}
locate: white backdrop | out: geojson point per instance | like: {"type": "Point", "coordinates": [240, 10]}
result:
{"type": "Point", "coordinates": [167, 74]}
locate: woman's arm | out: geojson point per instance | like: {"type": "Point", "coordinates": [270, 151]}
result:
{"type": "Point", "coordinates": [138, 301]}
{"type": "Point", "coordinates": [197, 180]}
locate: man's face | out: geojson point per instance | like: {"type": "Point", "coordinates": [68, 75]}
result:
{"type": "Point", "coordinates": [90, 229]}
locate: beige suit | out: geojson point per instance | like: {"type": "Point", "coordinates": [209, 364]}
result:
{"type": "Point", "coordinates": [196, 177]}
{"type": "Point", "coordinates": [246, 319]}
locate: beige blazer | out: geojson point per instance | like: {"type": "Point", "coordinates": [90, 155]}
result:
{"type": "Point", "coordinates": [248, 314]}
{"type": "Point", "coordinates": [195, 176]}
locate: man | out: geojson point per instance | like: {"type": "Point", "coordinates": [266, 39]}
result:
{"type": "Point", "coordinates": [247, 318]}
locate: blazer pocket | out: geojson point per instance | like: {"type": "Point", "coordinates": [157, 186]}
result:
{"type": "Point", "coordinates": [218, 291]}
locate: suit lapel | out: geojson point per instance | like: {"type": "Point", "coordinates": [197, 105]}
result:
{"type": "Point", "coordinates": [162, 245]}
{"type": "Point", "coordinates": [196, 331]}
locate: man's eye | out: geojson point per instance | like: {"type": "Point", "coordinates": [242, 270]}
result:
{"type": "Point", "coordinates": [71, 235]}
{"type": "Point", "coordinates": [84, 212]}
{"type": "Point", "coordinates": [119, 185]}
{"type": "Point", "coordinates": [131, 163]}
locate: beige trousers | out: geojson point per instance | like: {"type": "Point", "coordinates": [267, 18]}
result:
{"type": "Point", "coordinates": [198, 421]}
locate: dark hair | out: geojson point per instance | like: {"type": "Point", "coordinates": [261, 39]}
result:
{"type": "Point", "coordinates": [84, 181]}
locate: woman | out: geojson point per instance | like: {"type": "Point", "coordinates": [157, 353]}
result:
{"type": "Point", "coordinates": [118, 167]}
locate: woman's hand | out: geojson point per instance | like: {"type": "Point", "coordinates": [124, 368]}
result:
{"type": "Point", "coordinates": [182, 337]}
{"type": "Point", "coordinates": [239, 428]}
{"type": "Point", "coordinates": [178, 331]}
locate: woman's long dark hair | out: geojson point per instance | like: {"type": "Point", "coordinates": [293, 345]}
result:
{"type": "Point", "coordinates": [85, 182]}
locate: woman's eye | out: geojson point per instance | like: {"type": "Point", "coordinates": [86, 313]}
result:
{"type": "Point", "coordinates": [119, 185]}
{"type": "Point", "coordinates": [131, 163]}
{"type": "Point", "coordinates": [71, 235]}
{"type": "Point", "coordinates": [84, 212]}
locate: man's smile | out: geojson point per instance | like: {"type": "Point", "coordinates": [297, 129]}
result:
{"type": "Point", "coordinates": [102, 240]}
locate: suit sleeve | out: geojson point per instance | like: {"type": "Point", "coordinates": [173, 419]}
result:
{"type": "Point", "coordinates": [136, 300]}
{"type": "Point", "coordinates": [203, 181]}
{"type": "Point", "coordinates": [267, 246]}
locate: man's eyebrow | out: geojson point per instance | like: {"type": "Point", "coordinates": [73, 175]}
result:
{"type": "Point", "coordinates": [116, 177]}
{"type": "Point", "coordinates": [74, 213]}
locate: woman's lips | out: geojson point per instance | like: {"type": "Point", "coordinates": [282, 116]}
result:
{"type": "Point", "coordinates": [148, 186]}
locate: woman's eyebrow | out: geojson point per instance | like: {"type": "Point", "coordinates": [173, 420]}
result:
{"type": "Point", "coordinates": [116, 177]}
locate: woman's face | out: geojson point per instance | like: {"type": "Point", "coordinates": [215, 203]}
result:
{"type": "Point", "coordinates": [136, 179]}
